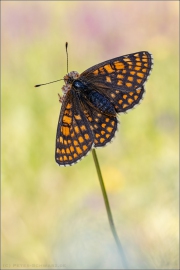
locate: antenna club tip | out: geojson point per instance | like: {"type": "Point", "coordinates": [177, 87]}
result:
{"type": "Point", "coordinates": [37, 85]}
{"type": "Point", "coordinates": [66, 45]}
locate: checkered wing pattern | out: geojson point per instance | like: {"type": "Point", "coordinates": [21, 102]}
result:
{"type": "Point", "coordinates": [121, 79]}
{"type": "Point", "coordinates": [74, 137]}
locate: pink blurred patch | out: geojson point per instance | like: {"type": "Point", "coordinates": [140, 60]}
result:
{"type": "Point", "coordinates": [25, 20]}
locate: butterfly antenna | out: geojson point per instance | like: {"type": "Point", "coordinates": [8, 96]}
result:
{"type": "Point", "coordinates": [38, 85]}
{"type": "Point", "coordinates": [67, 54]}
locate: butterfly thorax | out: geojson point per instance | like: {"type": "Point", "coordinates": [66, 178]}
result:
{"type": "Point", "coordinates": [86, 92]}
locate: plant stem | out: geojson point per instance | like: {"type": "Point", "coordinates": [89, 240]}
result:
{"type": "Point", "coordinates": [108, 209]}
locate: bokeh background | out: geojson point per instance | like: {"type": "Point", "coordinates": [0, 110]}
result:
{"type": "Point", "coordinates": [54, 217]}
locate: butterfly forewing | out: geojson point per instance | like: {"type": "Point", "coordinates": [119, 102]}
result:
{"type": "Point", "coordinates": [121, 79]}
{"type": "Point", "coordinates": [74, 137]}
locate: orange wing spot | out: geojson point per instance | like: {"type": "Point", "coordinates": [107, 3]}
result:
{"type": "Point", "coordinates": [72, 134]}
{"type": "Point", "coordinates": [60, 139]}
{"type": "Point", "coordinates": [80, 139]}
{"type": "Point", "coordinates": [117, 91]}
{"type": "Point", "coordinates": [136, 54]}
{"type": "Point", "coordinates": [102, 132]}
{"type": "Point", "coordinates": [137, 68]}
{"type": "Point", "coordinates": [107, 120]}
{"type": "Point", "coordinates": [69, 106]}
{"type": "Point", "coordinates": [66, 131]}
{"type": "Point", "coordinates": [96, 119]}
{"type": "Point", "coordinates": [65, 158]}
{"type": "Point", "coordinates": [76, 129]}
{"type": "Point", "coordinates": [144, 70]}
{"type": "Point", "coordinates": [108, 68]}
{"type": "Point", "coordinates": [65, 142]}
{"type": "Point", "coordinates": [138, 59]}
{"type": "Point", "coordinates": [86, 136]}
{"type": "Point", "coordinates": [69, 141]}
{"type": "Point", "coordinates": [72, 148]}
{"type": "Point", "coordinates": [139, 80]}
{"type": "Point", "coordinates": [77, 117]}
{"type": "Point", "coordinates": [119, 65]}
{"type": "Point", "coordinates": [61, 159]}
{"type": "Point", "coordinates": [102, 140]}
{"type": "Point", "coordinates": [130, 78]}
{"type": "Point", "coordinates": [76, 142]}
{"type": "Point", "coordinates": [144, 59]}
{"type": "Point", "coordinates": [75, 155]}
{"type": "Point", "coordinates": [126, 59]}
{"type": "Point", "coordinates": [120, 76]}
{"type": "Point", "coordinates": [97, 135]}
{"type": "Point", "coordinates": [95, 126]}
{"type": "Point", "coordinates": [113, 95]}
{"type": "Point", "coordinates": [146, 65]}
{"type": "Point", "coordinates": [66, 112]}
{"type": "Point", "coordinates": [67, 151]}
{"type": "Point", "coordinates": [84, 147]}
{"type": "Point", "coordinates": [141, 75]}
{"type": "Point", "coordinates": [124, 71]}
{"type": "Point", "coordinates": [125, 105]}
{"type": "Point", "coordinates": [101, 70]}
{"type": "Point", "coordinates": [109, 129]}
{"type": "Point", "coordinates": [119, 82]}
{"type": "Point", "coordinates": [139, 64]}
{"type": "Point", "coordinates": [103, 125]}
{"type": "Point", "coordinates": [107, 135]}
{"type": "Point", "coordinates": [113, 124]}
{"type": "Point", "coordinates": [130, 100]}
{"type": "Point", "coordinates": [90, 119]}
{"type": "Point", "coordinates": [135, 97]}
{"type": "Point", "coordinates": [120, 101]}
{"type": "Point", "coordinates": [67, 119]}
{"type": "Point", "coordinates": [95, 141]}
{"type": "Point", "coordinates": [132, 72]}
{"type": "Point", "coordinates": [131, 93]}
{"type": "Point", "coordinates": [78, 149]}
{"type": "Point", "coordinates": [125, 96]}
{"type": "Point", "coordinates": [130, 62]}
{"type": "Point", "coordinates": [128, 84]}
{"type": "Point", "coordinates": [70, 158]}
{"type": "Point", "coordinates": [96, 72]}
{"type": "Point", "coordinates": [138, 91]}
{"type": "Point", "coordinates": [58, 150]}
{"type": "Point", "coordinates": [108, 79]}
{"type": "Point", "coordinates": [83, 127]}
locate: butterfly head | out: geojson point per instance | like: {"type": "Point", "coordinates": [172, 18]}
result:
{"type": "Point", "coordinates": [69, 79]}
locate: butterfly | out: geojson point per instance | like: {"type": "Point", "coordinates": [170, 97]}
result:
{"type": "Point", "coordinates": [91, 101]}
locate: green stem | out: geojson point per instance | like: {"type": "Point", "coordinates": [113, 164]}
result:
{"type": "Point", "coordinates": [108, 209]}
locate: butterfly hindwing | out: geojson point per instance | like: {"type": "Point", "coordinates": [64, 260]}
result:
{"type": "Point", "coordinates": [103, 126]}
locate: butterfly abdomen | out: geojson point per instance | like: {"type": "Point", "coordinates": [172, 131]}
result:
{"type": "Point", "coordinates": [101, 102]}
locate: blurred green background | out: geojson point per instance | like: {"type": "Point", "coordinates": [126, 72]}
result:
{"type": "Point", "coordinates": [54, 217]}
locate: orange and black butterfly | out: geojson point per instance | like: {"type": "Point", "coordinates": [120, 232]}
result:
{"type": "Point", "coordinates": [92, 100]}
